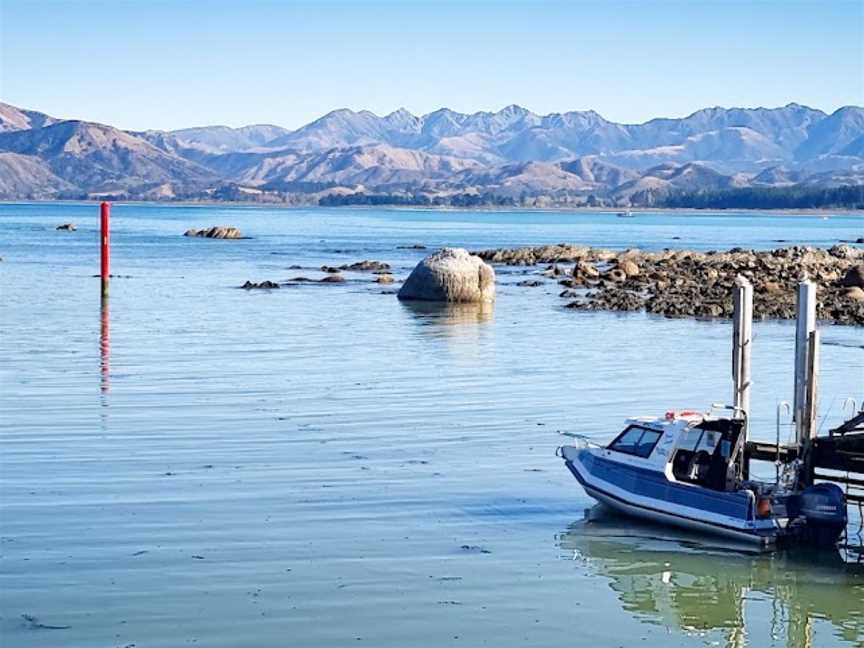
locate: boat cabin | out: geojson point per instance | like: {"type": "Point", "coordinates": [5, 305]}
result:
{"type": "Point", "coordinates": [688, 447]}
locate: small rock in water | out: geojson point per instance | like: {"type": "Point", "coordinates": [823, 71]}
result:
{"type": "Point", "coordinates": [474, 549]}
{"type": "Point", "coordinates": [530, 283]}
{"type": "Point", "coordinates": [384, 279]}
{"type": "Point", "coordinates": [365, 266]}
{"type": "Point", "coordinates": [68, 227]}
{"type": "Point", "coordinates": [267, 285]}
{"type": "Point", "coordinates": [584, 271]}
{"type": "Point", "coordinates": [216, 232]}
{"type": "Point", "coordinates": [34, 623]}
{"type": "Point", "coordinates": [333, 278]}
{"type": "Point", "coordinates": [330, 269]}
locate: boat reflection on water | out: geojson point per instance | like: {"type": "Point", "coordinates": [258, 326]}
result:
{"type": "Point", "coordinates": [700, 585]}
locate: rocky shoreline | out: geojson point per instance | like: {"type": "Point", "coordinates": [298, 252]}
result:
{"type": "Point", "coordinates": [682, 283]}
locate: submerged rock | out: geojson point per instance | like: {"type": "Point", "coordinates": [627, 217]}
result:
{"type": "Point", "coordinates": [216, 232]}
{"type": "Point", "coordinates": [68, 227]}
{"type": "Point", "coordinates": [333, 278]}
{"type": "Point", "coordinates": [450, 275]}
{"type": "Point", "coordinates": [384, 279]}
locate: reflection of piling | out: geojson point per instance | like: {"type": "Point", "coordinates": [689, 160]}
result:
{"type": "Point", "coordinates": [105, 346]}
{"type": "Point", "coordinates": [105, 273]}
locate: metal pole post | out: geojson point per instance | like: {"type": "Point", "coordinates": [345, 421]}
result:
{"type": "Point", "coordinates": [742, 339]}
{"type": "Point", "coordinates": [806, 316]}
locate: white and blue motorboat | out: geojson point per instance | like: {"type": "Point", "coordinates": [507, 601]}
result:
{"type": "Point", "coordinates": [674, 470]}
{"type": "Point", "coordinates": [692, 469]}
{"type": "Point", "coordinates": [683, 469]}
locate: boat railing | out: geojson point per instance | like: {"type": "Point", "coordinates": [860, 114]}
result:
{"type": "Point", "coordinates": [581, 441]}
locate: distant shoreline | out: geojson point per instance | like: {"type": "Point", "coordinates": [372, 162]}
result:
{"type": "Point", "coordinates": [444, 208]}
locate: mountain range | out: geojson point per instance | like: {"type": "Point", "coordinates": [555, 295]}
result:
{"type": "Point", "coordinates": [515, 155]}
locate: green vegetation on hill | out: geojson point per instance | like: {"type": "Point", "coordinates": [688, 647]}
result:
{"type": "Point", "coordinates": [796, 197]}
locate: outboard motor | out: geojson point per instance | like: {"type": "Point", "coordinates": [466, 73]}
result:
{"type": "Point", "coordinates": [823, 506]}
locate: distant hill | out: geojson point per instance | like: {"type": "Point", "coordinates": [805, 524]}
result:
{"type": "Point", "coordinates": [514, 155]}
{"type": "Point", "coordinates": [92, 158]}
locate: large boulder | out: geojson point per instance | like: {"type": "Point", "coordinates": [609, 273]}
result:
{"type": "Point", "coordinates": [450, 275]}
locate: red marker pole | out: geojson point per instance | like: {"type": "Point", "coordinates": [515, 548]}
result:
{"type": "Point", "coordinates": [105, 212]}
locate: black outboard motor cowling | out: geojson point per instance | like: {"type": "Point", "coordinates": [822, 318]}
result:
{"type": "Point", "coordinates": [823, 506]}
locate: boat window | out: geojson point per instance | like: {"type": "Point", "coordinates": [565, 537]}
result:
{"type": "Point", "coordinates": [647, 442]}
{"type": "Point", "coordinates": [636, 440]}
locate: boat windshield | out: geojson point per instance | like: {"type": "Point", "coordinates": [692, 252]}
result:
{"type": "Point", "coordinates": [636, 440]}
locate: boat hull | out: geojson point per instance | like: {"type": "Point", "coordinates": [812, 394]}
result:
{"type": "Point", "coordinates": [635, 492]}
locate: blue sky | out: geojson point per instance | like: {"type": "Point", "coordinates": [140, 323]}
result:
{"type": "Point", "coordinates": [157, 64]}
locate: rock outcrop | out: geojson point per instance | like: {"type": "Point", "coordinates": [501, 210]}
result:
{"type": "Point", "coordinates": [682, 283]}
{"type": "Point", "coordinates": [450, 275]}
{"type": "Point", "coordinates": [217, 232]}
{"type": "Point", "coordinates": [67, 227]}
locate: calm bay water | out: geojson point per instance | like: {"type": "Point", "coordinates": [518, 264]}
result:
{"type": "Point", "coordinates": [194, 464]}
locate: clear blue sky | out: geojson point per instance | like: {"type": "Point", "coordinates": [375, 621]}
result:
{"type": "Point", "coordinates": [157, 64]}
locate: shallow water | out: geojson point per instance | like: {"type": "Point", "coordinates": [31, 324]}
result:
{"type": "Point", "coordinates": [318, 465]}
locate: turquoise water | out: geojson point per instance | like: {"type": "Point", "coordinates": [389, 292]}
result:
{"type": "Point", "coordinates": [320, 465]}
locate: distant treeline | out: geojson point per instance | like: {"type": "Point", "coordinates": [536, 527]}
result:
{"type": "Point", "coordinates": [419, 200]}
{"type": "Point", "coordinates": [797, 197]}
{"type": "Point", "coordinates": [847, 197]}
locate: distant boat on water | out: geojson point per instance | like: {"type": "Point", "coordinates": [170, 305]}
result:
{"type": "Point", "coordinates": [626, 214]}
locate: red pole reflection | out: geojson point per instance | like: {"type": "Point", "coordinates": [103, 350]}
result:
{"type": "Point", "coordinates": [105, 346]}
{"type": "Point", "coordinates": [105, 228]}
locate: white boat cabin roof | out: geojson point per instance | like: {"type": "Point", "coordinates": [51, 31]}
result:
{"type": "Point", "coordinates": [655, 440]}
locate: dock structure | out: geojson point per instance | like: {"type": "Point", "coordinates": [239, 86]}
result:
{"type": "Point", "coordinates": [841, 452]}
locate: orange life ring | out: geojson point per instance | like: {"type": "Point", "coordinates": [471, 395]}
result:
{"type": "Point", "coordinates": [673, 414]}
